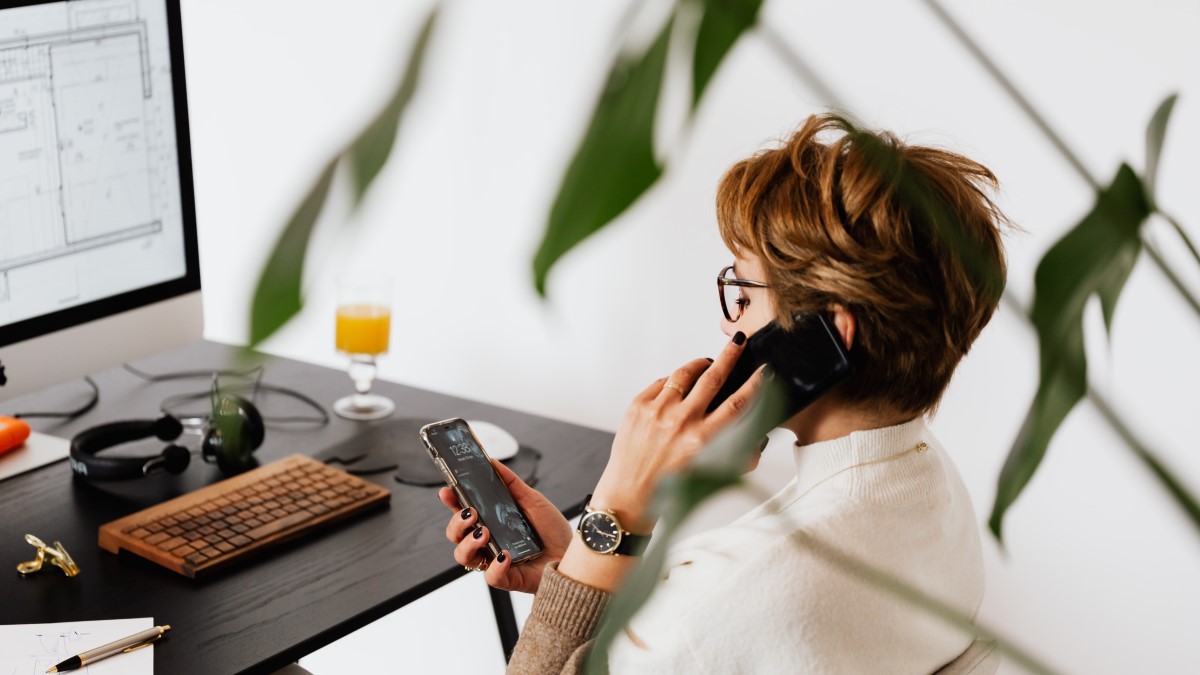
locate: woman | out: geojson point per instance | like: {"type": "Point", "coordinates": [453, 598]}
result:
{"type": "Point", "coordinates": [900, 247]}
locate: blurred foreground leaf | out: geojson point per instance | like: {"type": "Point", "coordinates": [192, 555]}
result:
{"type": "Point", "coordinates": [278, 296]}
{"type": "Point", "coordinates": [1156, 133]}
{"type": "Point", "coordinates": [615, 162]}
{"type": "Point", "coordinates": [720, 465]}
{"type": "Point", "coordinates": [369, 152]}
{"type": "Point", "coordinates": [1095, 257]}
{"type": "Point", "coordinates": [722, 23]}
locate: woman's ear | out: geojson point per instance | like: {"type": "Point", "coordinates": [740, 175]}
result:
{"type": "Point", "coordinates": [843, 320]}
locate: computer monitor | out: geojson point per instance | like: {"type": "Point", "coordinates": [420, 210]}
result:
{"type": "Point", "coordinates": [98, 250]}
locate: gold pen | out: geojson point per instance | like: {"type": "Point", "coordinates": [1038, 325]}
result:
{"type": "Point", "coordinates": [142, 639]}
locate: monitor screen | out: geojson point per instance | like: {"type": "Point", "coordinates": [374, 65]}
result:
{"type": "Point", "coordinates": [97, 214]}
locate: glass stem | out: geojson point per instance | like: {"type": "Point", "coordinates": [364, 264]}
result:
{"type": "Point", "coordinates": [362, 371]}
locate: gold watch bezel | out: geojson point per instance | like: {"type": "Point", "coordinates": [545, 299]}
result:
{"type": "Point", "coordinates": [608, 515]}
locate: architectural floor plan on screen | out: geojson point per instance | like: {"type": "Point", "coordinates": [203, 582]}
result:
{"type": "Point", "coordinates": [88, 172]}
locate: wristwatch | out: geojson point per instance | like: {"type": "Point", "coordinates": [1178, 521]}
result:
{"type": "Point", "coordinates": [602, 532]}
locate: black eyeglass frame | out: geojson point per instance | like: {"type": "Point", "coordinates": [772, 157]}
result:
{"type": "Point", "coordinates": [723, 281]}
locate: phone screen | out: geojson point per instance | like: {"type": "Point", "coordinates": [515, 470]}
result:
{"type": "Point", "coordinates": [483, 488]}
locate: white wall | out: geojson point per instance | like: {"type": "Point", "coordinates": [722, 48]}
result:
{"type": "Point", "coordinates": [1100, 569]}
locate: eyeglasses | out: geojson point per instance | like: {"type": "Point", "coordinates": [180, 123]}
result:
{"type": "Point", "coordinates": [729, 290]}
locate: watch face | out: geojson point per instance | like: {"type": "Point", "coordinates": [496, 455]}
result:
{"type": "Point", "coordinates": [600, 532]}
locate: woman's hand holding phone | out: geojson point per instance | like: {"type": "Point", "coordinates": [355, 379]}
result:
{"type": "Point", "coordinates": [471, 539]}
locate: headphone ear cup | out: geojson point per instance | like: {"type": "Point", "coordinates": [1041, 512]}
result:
{"type": "Point", "coordinates": [175, 459]}
{"type": "Point", "coordinates": [236, 431]}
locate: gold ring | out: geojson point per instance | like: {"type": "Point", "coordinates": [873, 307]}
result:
{"type": "Point", "coordinates": [671, 385]}
{"type": "Point", "coordinates": [480, 567]}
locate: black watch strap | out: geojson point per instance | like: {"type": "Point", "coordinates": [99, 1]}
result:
{"type": "Point", "coordinates": [632, 544]}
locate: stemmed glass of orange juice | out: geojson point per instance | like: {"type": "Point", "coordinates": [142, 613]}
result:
{"type": "Point", "coordinates": [364, 319]}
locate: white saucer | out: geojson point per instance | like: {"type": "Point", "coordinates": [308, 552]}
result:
{"type": "Point", "coordinates": [498, 443]}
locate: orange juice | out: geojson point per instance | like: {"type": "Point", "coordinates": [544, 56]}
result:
{"type": "Point", "coordinates": [363, 329]}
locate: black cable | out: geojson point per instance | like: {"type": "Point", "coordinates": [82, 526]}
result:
{"type": "Point", "coordinates": [69, 414]}
{"type": "Point", "coordinates": [258, 385]}
{"type": "Point", "coordinates": [191, 374]}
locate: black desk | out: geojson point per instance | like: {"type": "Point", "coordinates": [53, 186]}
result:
{"type": "Point", "coordinates": [306, 594]}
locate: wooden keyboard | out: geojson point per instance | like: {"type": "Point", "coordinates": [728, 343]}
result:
{"type": "Point", "coordinates": [226, 522]}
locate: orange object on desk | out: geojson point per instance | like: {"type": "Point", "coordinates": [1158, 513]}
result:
{"type": "Point", "coordinates": [13, 433]}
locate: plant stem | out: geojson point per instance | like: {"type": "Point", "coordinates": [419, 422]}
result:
{"type": "Point", "coordinates": [1187, 241]}
{"type": "Point", "coordinates": [1177, 489]}
{"type": "Point", "coordinates": [790, 58]}
{"type": "Point", "coordinates": [1172, 277]}
{"type": "Point", "coordinates": [1040, 122]}
{"type": "Point", "coordinates": [1014, 93]}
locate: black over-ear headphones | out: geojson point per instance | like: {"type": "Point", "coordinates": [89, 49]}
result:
{"type": "Point", "coordinates": [235, 431]}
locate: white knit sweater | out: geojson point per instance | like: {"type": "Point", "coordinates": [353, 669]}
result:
{"type": "Point", "coordinates": [746, 598]}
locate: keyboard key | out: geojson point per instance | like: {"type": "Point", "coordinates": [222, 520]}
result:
{"type": "Point", "coordinates": [278, 525]}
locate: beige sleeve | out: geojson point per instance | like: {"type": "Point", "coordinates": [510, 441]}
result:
{"type": "Point", "coordinates": [560, 626]}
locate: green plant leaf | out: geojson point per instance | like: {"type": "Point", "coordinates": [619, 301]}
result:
{"type": "Point", "coordinates": [722, 23]}
{"type": "Point", "coordinates": [1093, 258]}
{"type": "Point", "coordinates": [1156, 133]}
{"type": "Point", "coordinates": [278, 297]}
{"type": "Point", "coordinates": [615, 162]}
{"type": "Point", "coordinates": [718, 466]}
{"type": "Point", "coordinates": [370, 151]}
{"type": "Point", "coordinates": [1112, 281]}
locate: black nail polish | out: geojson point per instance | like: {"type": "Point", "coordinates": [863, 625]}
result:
{"type": "Point", "coordinates": [709, 360]}
{"type": "Point", "coordinates": [739, 338]}
{"type": "Point", "coordinates": [501, 557]}
{"type": "Point", "coordinates": [768, 372]}
{"type": "Point", "coordinates": [477, 533]}
{"type": "Point", "coordinates": [466, 514]}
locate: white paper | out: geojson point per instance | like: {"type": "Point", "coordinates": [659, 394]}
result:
{"type": "Point", "coordinates": [32, 649]}
{"type": "Point", "coordinates": [39, 450]}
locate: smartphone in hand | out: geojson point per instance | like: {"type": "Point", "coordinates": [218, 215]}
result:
{"type": "Point", "coordinates": [808, 360]}
{"type": "Point", "coordinates": [468, 470]}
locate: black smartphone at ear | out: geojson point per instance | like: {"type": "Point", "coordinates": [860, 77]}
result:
{"type": "Point", "coordinates": [808, 360]}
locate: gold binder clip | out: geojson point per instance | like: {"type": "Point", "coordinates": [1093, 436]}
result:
{"type": "Point", "coordinates": [56, 554]}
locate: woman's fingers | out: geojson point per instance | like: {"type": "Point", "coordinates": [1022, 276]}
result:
{"type": "Point", "coordinates": [648, 394]}
{"type": "Point", "coordinates": [472, 549]}
{"type": "Point", "coordinates": [520, 489]}
{"type": "Point", "coordinates": [461, 524]}
{"type": "Point", "coordinates": [496, 573]}
{"type": "Point", "coordinates": [711, 380]}
{"type": "Point", "coordinates": [679, 385]}
{"type": "Point", "coordinates": [736, 404]}
{"type": "Point", "coordinates": [449, 499]}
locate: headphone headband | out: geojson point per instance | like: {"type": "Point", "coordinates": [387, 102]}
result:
{"type": "Point", "coordinates": [84, 446]}
{"type": "Point", "coordinates": [233, 435]}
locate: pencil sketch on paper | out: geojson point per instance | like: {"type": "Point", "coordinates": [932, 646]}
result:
{"type": "Point", "coordinates": [32, 649]}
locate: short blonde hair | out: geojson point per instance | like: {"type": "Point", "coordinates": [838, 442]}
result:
{"type": "Point", "coordinates": [905, 237]}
